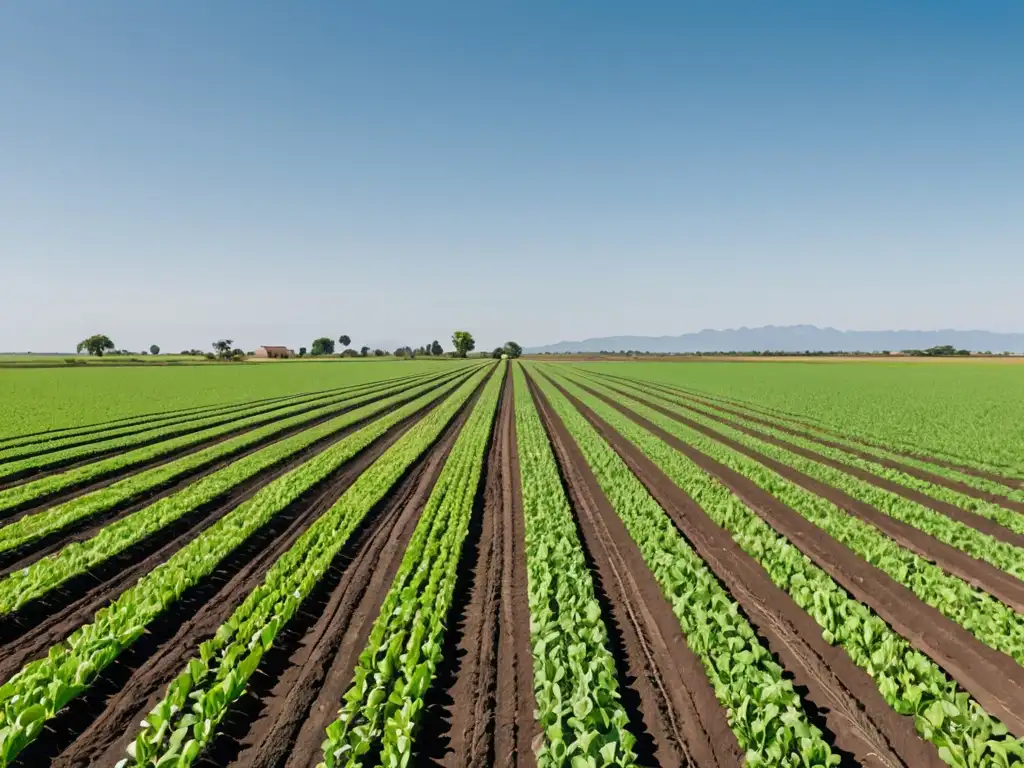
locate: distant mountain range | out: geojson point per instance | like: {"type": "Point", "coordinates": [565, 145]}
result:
{"type": "Point", "coordinates": [795, 338]}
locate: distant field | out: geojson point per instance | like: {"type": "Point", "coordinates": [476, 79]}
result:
{"type": "Point", "coordinates": [37, 399]}
{"type": "Point", "coordinates": [653, 564]}
{"type": "Point", "coordinates": [30, 360]}
{"type": "Point", "coordinates": [970, 409]}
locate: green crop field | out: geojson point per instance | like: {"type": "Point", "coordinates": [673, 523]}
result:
{"type": "Point", "coordinates": [481, 562]}
{"type": "Point", "coordinates": [39, 399]}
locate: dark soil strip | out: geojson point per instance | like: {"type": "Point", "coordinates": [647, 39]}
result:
{"type": "Point", "coordinates": [480, 708]}
{"type": "Point", "coordinates": [980, 574]}
{"type": "Point", "coordinates": [14, 560]}
{"type": "Point", "coordinates": [839, 696]}
{"type": "Point", "coordinates": [288, 673]}
{"type": "Point", "coordinates": [993, 678]}
{"type": "Point", "coordinates": [1012, 482]}
{"type": "Point", "coordinates": [920, 474]}
{"type": "Point", "coordinates": [35, 473]}
{"type": "Point", "coordinates": [686, 721]}
{"type": "Point", "coordinates": [28, 634]}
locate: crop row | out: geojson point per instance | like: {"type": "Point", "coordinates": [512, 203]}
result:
{"type": "Point", "coordinates": [579, 705]}
{"type": "Point", "coordinates": [387, 696]}
{"type": "Point", "coordinates": [848, 450]}
{"type": "Point", "coordinates": [992, 622]}
{"type": "Point", "coordinates": [964, 734]}
{"type": "Point", "coordinates": [955, 533]}
{"type": "Point", "coordinates": [194, 431]}
{"type": "Point", "coordinates": [37, 692]}
{"type": "Point", "coordinates": [965, 436]}
{"type": "Point", "coordinates": [184, 721]}
{"type": "Point", "coordinates": [766, 713]}
{"type": "Point", "coordinates": [37, 490]}
{"type": "Point", "coordinates": [45, 574]}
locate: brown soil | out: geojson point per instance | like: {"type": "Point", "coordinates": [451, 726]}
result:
{"type": "Point", "coordinates": [980, 574]}
{"type": "Point", "coordinates": [800, 421]}
{"type": "Point", "coordinates": [121, 473]}
{"type": "Point", "coordinates": [921, 474]}
{"type": "Point", "coordinates": [842, 699]}
{"type": "Point", "coordinates": [480, 710]}
{"type": "Point", "coordinates": [993, 678]}
{"type": "Point", "coordinates": [28, 633]}
{"type": "Point", "coordinates": [85, 528]}
{"type": "Point", "coordinates": [687, 725]}
{"type": "Point", "coordinates": [277, 703]}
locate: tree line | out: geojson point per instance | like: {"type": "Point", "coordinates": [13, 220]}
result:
{"type": "Point", "coordinates": [224, 349]}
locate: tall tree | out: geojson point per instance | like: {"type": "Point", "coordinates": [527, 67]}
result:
{"type": "Point", "coordinates": [302, 351]}
{"type": "Point", "coordinates": [364, 351]}
{"type": "Point", "coordinates": [512, 349]}
{"type": "Point", "coordinates": [154, 349]}
{"type": "Point", "coordinates": [323, 346]}
{"type": "Point", "coordinates": [498, 352]}
{"type": "Point", "coordinates": [223, 348]}
{"type": "Point", "coordinates": [463, 343]}
{"type": "Point", "coordinates": [95, 345]}
{"type": "Point", "coordinates": [436, 349]}
{"type": "Point", "coordinates": [344, 340]}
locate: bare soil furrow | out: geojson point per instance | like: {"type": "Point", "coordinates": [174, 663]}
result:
{"type": "Point", "coordinates": [480, 709]}
{"type": "Point", "coordinates": [993, 678]}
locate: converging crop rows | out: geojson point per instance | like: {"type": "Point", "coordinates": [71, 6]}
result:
{"type": "Point", "coordinates": [506, 563]}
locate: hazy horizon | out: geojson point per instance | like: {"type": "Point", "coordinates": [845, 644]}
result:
{"type": "Point", "coordinates": [174, 174]}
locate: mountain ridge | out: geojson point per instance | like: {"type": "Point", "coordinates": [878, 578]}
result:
{"type": "Point", "coordinates": [793, 338]}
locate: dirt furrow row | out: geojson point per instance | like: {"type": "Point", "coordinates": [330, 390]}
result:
{"type": "Point", "coordinates": [686, 723]}
{"type": "Point", "coordinates": [993, 678]}
{"type": "Point", "coordinates": [480, 708]}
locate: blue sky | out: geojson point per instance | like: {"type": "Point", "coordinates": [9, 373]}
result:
{"type": "Point", "coordinates": [172, 173]}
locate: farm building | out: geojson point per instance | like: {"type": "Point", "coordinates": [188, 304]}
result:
{"type": "Point", "coordinates": [271, 351]}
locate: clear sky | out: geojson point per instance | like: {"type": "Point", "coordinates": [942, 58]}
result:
{"type": "Point", "coordinates": [176, 172]}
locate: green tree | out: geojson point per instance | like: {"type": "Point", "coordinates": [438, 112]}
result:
{"type": "Point", "coordinates": [436, 349]}
{"type": "Point", "coordinates": [322, 346]}
{"type": "Point", "coordinates": [379, 353]}
{"type": "Point", "coordinates": [463, 343]}
{"type": "Point", "coordinates": [223, 348]}
{"type": "Point", "coordinates": [302, 351]}
{"type": "Point", "coordinates": [364, 351]}
{"type": "Point", "coordinates": [95, 345]}
{"type": "Point", "coordinates": [512, 349]}
{"type": "Point", "coordinates": [154, 349]}
{"type": "Point", "coordinates": [498, 352]}
{"type": "Point", "coordinates": [344, 340]}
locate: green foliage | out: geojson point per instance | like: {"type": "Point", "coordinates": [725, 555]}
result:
{"type": "Point", "coordinates": [154, 349]}
{"type": "Point", "coordinates": [513, 350]}
{"type": "Point", "coordinates": [579, 706]}
{"type": "Point", "coordinates": [436, 349]}
{"type": "Point", "coordinates": [765, 712]}
{"type": "Point", "coordinates": [344, 340]}
{"type": "Point", "coordinates": [222, 348]}
{"type": "Point", "coordinates": [43, 687]}
{"type": "Point", "coordinates": [911, 684]}
{"type": "Point", "coordinates": [95, 345]}
{"type": "Point", "coordinates": [322, 346]}
{"type": "Point", "coordinates": [463, 343]}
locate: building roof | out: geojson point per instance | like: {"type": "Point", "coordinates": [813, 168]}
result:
{"type": "Point", "coordinates": [272, 346]}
